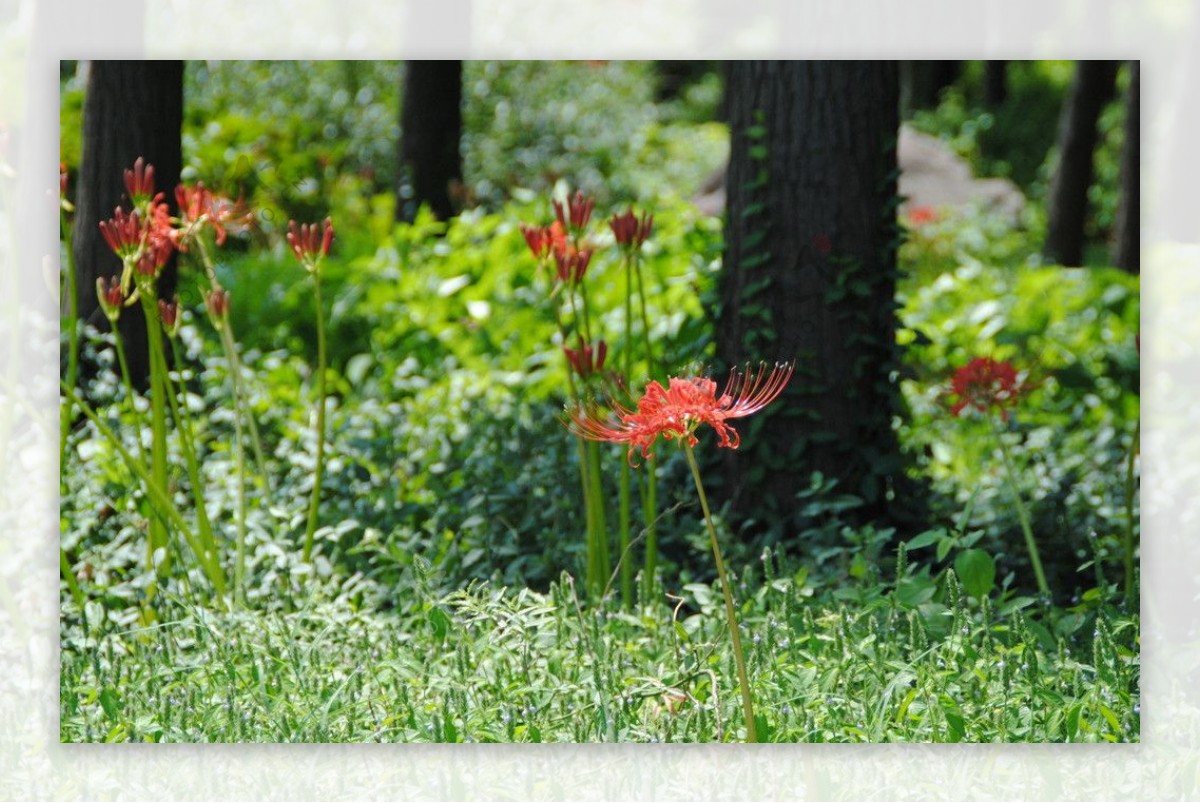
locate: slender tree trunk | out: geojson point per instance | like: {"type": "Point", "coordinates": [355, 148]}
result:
{"type": "Point", "coordinates": [809, 274]}
{"type": "Point", "coordinates": [131, 109]}
{"type": "Point", "coordinates": [1127, 234]}
{"type": "Point", "coordinates": [1092, 87]}
{"type": "Point", "coordinates": [430, 132]}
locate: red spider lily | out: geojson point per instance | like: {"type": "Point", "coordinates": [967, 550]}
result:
{"type": "Point", "coordinates": [679, 409]}
{"type": "Point", "coordinates": [572, 263]}
{"type": "Point", "coordinates": [577, 213]}
{"type": "Point", "coordinates": [139, 181]}
{"type": "Point", "coordinates": [544, 240]}
{"type": "Point", "coordinates": [309, 243]}
{"type": "Point", "coordinates": [217, 302]}
{"type": "Point", "coordinates": [111, 296]}
{"type": "Point", "coordinates": [921, 215]}
{"type": "Point", "coordinates": [585, 360]}
{"type": "Point", "coordinates": [630, 230]}
{"type": "Point", "coordinates": [168, 313]}
{"type": "Point", "coordinates": [983, 384]}
{"type": "Point", "coordinates": [124, 233]}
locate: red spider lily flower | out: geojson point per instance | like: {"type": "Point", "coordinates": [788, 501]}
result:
{"type": "Point", "coordinates": [199, 206]}
{"type": "Point", "coordinates": [168, 313]}
{"type": "Point", "coordinates": [139, 182]}
{"type": "Point", "coordinates": [572, 264]}
{"type": "Point", "coordinates": [630, 230]}
{"type": "Point", "coordinates": [921, 215]}
{"type": "Point", "coordinates": [111, 296]}
{"type": "Point", "coordinates": [123, 233]}
{"type": "Point", "coordinates": [309, 243]}
{"type": "Point", "coordinates": [585, 360]}
{"type": "Point", "coordinates": [544, 240]}
{"type": "Point", "coordinates": [983, 384]}
{"type": "Point", "coordinates": [217, 302]}
{"type": "Point", "coordinates": [577, 213]}
{"type": "Point", "coordinates": [678, 410]}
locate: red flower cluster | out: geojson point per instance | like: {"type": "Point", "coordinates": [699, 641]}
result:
{"type": "Point", "coordinates": [309, 243]}
{"type": "Point", "coordinates": [544, 240]}
{"type": "Point", "coordinates": [984, 384]}
{"type": "Point", "coordinates": [921, 215]}
{"type": "Point", "coordinates": [677, 410]}
{"type": "Point", "coordinates": [585, 360]}
{"type": "Point", "coordinates": [630, 230]}
{"type": "Point", "coordinates": [199, 206]}
{"type": "Point", "coordinates": [139, 182]}
{"type": "Point", "coordinates": [577, 213]}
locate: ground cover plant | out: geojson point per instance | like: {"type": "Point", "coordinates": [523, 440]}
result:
{"type": "Point", "coordinates": [441, 481]}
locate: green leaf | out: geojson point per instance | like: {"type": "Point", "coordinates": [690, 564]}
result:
{"type": "Point", "coordinates": [976, 570]}
{"type": "Point", "coordinates": [110, 701]}
{"type": "Point", "coordinates": [926, 538]}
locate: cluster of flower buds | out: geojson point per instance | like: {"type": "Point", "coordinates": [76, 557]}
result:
{"type": "Point", "coordinates": [576, 213]}
{"type": "Point", "coordinates": [217, 303]}
{"type": "Point", "coordinates": [310, 242]}
{"type": "Point", "coordinates": [544, 241]}
{"type": "Point", "coordinates": [111, 296]}
{"type": "Point", "coordinates": [587, 360]}
{"type": "Point", "coordinates": [168, 313]}
{"type": "Point", "coordinates": [139, 182]}
{"type": "Point", "coordinates": [572, 263]}
{"type": "Point", "coordinates": [630, 230]}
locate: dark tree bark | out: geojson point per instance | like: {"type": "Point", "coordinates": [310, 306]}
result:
{"type": "Point", "coordinates": [995, 83]}
{"type": "Point", "coordinates": [809, 274]}
{"type": "Point", "coordinates": [922, 82]}
{"type": "Point", "coordinates": [430, 132]}
{"type": "Point", "coordinates": [1127, 228]}
{"type": "Point", "coordinates": [131, 109]}
{"type": "Point", "coordinates": [1067, 205]}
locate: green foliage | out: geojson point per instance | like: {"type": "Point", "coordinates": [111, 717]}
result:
{"type": "Point", "coordinates": [489, 664]}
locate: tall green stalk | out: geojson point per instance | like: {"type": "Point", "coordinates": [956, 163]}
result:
{"type": "Point", "coordinates": [730, 612]}
{"type": "Point", "coordinates": [158, 420]}
{"type": "Point", "coordinates": [650, 485]}
{"type": "Point", "coordinates": [624, 477]}
{"type": "Point", "coordinates": [315, 499]}
{"type": "Point", "coordinates": [239, 571]}
{"type": "Point", "coordinates": [161, 500]}
{"type": "Point", "coordinates": [1023, 517]}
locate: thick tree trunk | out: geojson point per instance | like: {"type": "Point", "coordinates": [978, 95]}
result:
{"type": "Point", "coordinates": [995, 83]}
{"type": "Point", "coordinates": [130, 109]}
{"type": "Point", "coordinates": [430, 132]}
{"type": "Point", "coordinates": [1091, 89]}
{"type": "Point", "coordinates": [809, 274]}
{"type": "Point", "coordinates": [1127, 234]}
{"type": "Point", "coordinates": [922, 82]}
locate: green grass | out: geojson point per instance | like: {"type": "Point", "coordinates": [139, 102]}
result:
{"type": "Point", "coordinates": [495, 665]}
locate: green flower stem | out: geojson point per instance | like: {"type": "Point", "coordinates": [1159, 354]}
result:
{"type": "Point", "coordinates": [604, 570]}
{"type": "Point", "coordinates": [650, 497]}
{"type": "Point", "coordinates": [235, 370]}
{"type": "Point", "coordinates": [183, 425]}
{"type": "Point", "coordinates": [730, 614]}
{"type": "Point", "coordinates": [315, 500]}
{"type": "Point", "coordinates": [239, 566]}
{"type": "Point", "coordinates": [72, 325]}
{"type": "Point", "coordinates": [162, 501]}
{"type": "Point", "coordinates": [1130, 520]}
{"type": "Point", "coordinates": [158, 419]}
{"type": "Point", "coordinates": [1023, 516]}
{"type": "Point", "coordinates": [625, 475]}
{"type": "Point", "coordinates": [139, 424]}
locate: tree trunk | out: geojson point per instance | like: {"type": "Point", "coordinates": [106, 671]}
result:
{"type": "Point", "coordinates": [130, 109]}
{"type": "Point", "coordinates": [430, 132]}
{"type": "Point", "coordinates": [1127, 228]}
{"type": "Point", "coordinates": [995, 83]}
{"type": "Point", "coordinates": [922, 82]}
{"type": "Point", "coordinates": [1067, 206]}
{"type": "Point", "coordinates": [810, 274]}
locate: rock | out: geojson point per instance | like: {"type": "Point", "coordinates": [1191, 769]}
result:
{"type": "Point", "coordinates": [932, 177]}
